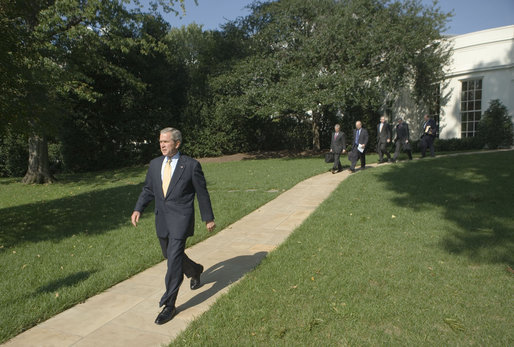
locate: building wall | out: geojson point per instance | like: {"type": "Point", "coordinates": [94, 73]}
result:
{"type": "Point", "coordinates": [487, 54]}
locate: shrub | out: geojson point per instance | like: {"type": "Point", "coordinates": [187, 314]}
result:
{"type": "Point", "coordinates": [14, 154]}
{"type": "Point", "coordinates": [495, 127]}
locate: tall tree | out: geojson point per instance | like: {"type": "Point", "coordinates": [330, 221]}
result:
{"type": "Point", "coordinates": [55, 41]}
{"type": "Point", "coordinates": [310, 56]}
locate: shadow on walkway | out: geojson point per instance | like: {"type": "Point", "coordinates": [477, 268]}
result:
{"type": "Point", "coordinates": [222, 275]}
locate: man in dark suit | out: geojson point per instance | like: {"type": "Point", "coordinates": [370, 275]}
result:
{"type": "Point", "coordinates": [428, 136]}
{"type": "Point", "coordinates": [402, 139]}
{"type": "Point", "coordinates": [172, 181]}
{"type": "Point", "coordinates": [383, 139]}
{"type": "Point", "coordinates": [360, 140]}
{"type": "Point", "coordinates": [337, 146]}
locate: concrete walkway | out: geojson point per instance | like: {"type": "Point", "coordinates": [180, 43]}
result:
{"type": "Point", "coordinates": [124, 314]}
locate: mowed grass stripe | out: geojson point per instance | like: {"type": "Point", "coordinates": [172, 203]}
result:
{"type": "Point", "coordinates": [411, 254]}
{"type": "Point", "coordinates": [65, 242]}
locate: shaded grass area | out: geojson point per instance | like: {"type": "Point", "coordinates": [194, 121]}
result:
{"type": "Point", "coordinates": [416, 253]}
{"type": "Point", "coordinates": [62, 243]}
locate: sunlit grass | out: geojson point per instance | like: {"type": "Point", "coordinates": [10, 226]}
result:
{"type": "Point", "coordinates": [62, 243]}
{"type": "Point", "coordinates": [411, 254]}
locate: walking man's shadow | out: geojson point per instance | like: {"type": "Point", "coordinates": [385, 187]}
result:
{"type": "Point", "coordinates": [223, 274]}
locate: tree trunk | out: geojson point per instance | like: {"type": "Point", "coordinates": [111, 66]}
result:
{"type": "Point", "coordinates": [38, 170]}
{"type": "Point", "coordinates": [315, 131]}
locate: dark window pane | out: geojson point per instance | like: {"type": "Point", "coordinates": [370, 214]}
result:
{"type": "Point", "coordinates": [471, 105]}
{"type": "Point", "coordinates": [478, 105]}
{"type": "Point", "coordinates": [478, 95]}
{"type": "Point", "coordinates": [464, 106]}
{"type": "Point", "coordinates": [477, 116]}
{"type": "Point", "coordinates": [464, 85]}
{"type": "Point", "coordinates": [479, 84]}
{"type": "Point", "coordinates": [465, 126]}
{"type": "Point", "coordinates": [464, 117]}
{"type": "Point", "coordinates": [464, 96]}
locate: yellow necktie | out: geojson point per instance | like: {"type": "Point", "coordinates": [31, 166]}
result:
{"type": "Point", "coordinates": [166, 177]}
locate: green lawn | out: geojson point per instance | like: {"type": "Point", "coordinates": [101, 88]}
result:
{"type": "Point", "coordinates": [416, 253]}
{"type": "Point", "coordinates": [62, 243]}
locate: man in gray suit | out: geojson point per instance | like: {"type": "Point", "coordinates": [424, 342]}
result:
{"type": "Point", "coordinates": [172, 181]}
{"type": "Point", "coordinates": [383, 139]}
{"type": "Point", "coordinates": [360, 140]}
{"type": "Point", "coordinates": [338, 147]}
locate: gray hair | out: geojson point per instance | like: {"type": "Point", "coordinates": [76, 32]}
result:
{"type": "Point", "coordinates": [176, 135]}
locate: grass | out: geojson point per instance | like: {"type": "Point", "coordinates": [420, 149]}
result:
{"type": "Point", "coordinates": [62, 243]}
{"type": "Point", "coordinates": [416, 253]}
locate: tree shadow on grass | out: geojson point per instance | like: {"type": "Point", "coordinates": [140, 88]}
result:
{"type": "Point", "coordinates": [68, 281]}
{"type": "Point", "coordinates": [222, 275]}
{"type": "Point", "coordinates": [475, 195]}
{"type": "Point", "coordinates": [92, 213]}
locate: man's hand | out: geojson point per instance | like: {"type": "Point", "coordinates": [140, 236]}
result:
{"type": "Point", "coordinates": [210, 226]}
{"type": "Point", "coordinates": [388, 140]}
{"type": "Point", "coordinates": [406, 141]}
{"type": "Point", "coordinates": [363, 145]}
{"type": "Point", "coordinates": [135, 218]}
{"type": "Point", "coordinates": [344, 151]}
{"type": "Point", "coordinates": [330, 150]}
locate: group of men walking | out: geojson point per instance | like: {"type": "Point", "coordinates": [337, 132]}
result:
{"type": "Point", "coordinates": [401, 142]}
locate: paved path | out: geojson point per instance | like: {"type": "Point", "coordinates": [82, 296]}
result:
{"type": "Point", "coordinates": [124, 314]}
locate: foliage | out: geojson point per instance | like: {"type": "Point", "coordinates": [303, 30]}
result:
{"type": "Point", "coordinates": [13, 154]}
{"type": "Point", "coordinates": [384, 260]}
{"type": "Point", "coordinates": [307, 56]}
{"type": "Point", "coordinates": [495, 128]}
{"type": "Point", "coordinates": [62, 243]}
{"type": "Point", "coordinates": [453, 145]}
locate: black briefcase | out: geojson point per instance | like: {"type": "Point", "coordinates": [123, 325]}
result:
{"type": "Point", "coordinates": [329, 157]}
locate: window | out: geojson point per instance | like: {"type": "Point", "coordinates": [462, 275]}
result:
{"type": "Point", "coordinates": [470, 106]}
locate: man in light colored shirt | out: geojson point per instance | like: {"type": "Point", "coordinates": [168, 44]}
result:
{"type": "Point", "coordinates": [172, 181]}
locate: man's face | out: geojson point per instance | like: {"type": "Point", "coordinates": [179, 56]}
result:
{"type": "Point", "coordinates": [358, 125]}
{"type": "Point", "coordinates": [382, 119]}
{"type": "Point", "coordinates": [336, 128]}
{"type": "Point", "coordinates": [426, 117]}
{"type": "Point", "coordinates": [400, 122]}
{"type": "Point", "coordinates": [168, 147]}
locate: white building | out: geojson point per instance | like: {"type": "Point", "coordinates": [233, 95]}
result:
{"type": "Point", "coordinates": [482, 69]}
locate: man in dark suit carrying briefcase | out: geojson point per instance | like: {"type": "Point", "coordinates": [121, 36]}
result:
{"type": "Point", "coordinates": [337, 147]}
{"type": "Point", "coordinates": [383, 139]}
{"type": "Point", "coordinates": [172, 181]}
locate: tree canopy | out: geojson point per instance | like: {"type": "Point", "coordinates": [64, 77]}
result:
{"type": "Point", "coordinates": [97, 79]}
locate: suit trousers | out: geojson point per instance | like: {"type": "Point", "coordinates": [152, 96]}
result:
{"type": "Point", "coordinates": [178, 265]}
{"type": "Point", "coordinates": [361, 156]}
{"type": "Point", "coordinates": [397, 150]}
{"type": "Point", "coordinates": [337, 161]}
{"type": "Point", "coordinates": [427, 141]}
{"type": "Point", "coordinates": [382, 149]}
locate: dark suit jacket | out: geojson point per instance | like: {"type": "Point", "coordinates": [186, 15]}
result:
{"type": "Point", "coordinates": [402, 132]}
{"type": "Point", "coordinates": [429, 128]}
{"type": "Point", "coordinates": [175, 213]}
{"type": "Point", "coordinates": [385, 134]}
{"type": "Point", "coordinates": [363, 137]}
{"type": "Point", "coordinates": [338, 144]}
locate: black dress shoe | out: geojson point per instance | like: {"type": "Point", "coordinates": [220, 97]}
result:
{"type": "Point", "coordinates": [166, 315]}
{"type": "Point", "coordinates": [195, 280]}
{"type": "Point", "coordinates": [352, 170]}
